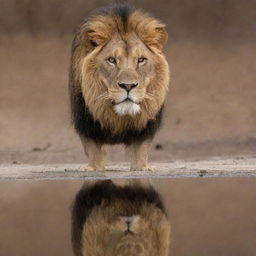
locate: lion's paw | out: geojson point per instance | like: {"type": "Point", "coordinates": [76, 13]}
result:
{"type": "Point", "coordinates": [90, 168]}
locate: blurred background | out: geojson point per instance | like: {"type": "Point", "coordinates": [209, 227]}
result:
{"type": "Point", "coordinates": [210, 112]}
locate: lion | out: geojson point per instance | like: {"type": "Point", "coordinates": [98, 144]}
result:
{"type": "Point", "coordinates": [108, 220]}
{"type": "Point", "coordinates": [118, 83]}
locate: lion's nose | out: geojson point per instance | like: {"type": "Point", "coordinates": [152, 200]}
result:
{"type": "Point", "coordinates": [128, 219]}
{"type": "Point", "coordinates": [127, 87]}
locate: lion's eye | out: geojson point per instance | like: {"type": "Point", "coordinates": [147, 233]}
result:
{"type": "Point", "coordinates": [142, 60]}
{"type": "Point", "coordinates": [111, 60]}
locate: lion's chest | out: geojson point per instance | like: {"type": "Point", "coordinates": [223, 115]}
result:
{"type": "Point", "coordinates": [125, 130]}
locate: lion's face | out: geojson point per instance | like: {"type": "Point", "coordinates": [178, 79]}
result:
{"type": "Point", "coordinates": [126, 68]}
{"type": "Point", "coordinates": [129, 235]}
{"type": "Point", "coordinates": [122, 70]}
{"type": "Point", "coordinates": [145, 233]}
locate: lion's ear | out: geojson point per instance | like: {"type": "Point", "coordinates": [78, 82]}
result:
{"type": "Point", "coordinates": [98, 30]}
{"type": "Point", "coordinates": [161, 37]}
{"type": "Point", "coordinates": [153, 35]}
{"type": "Point", "coordinates": [95, 38]}
{"type": "Point", "coordinates": [156, 37]}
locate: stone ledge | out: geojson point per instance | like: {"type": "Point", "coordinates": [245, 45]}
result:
{"type": "Point", "coordinates": [236, 167]}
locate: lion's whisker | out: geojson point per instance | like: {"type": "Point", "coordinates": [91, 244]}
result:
{"type": "Point", "coordinates": [148, 96]}
{"type": "Point", "coordinates": [103, 96]}
{"type": "Point", "coordinates": [151, 94]}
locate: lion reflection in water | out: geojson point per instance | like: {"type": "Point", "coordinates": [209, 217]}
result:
{"type": "Point", "coordinates": [113, 220]}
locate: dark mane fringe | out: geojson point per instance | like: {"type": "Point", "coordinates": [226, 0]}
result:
{"type": "Point", "coordinates": [120, 9]}
{"type": "Point", "coordinates": [93, 195]}
{"type": "Point", "coordinates": [86, 126]}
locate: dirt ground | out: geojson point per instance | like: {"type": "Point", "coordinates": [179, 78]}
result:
{"type": "Point", "coordinates": [210, 111]}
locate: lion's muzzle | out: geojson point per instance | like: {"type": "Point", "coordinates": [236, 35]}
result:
{"type": "Point", "coordinates": [127, 87]}
{"type": "Point", "coordinates": [127, 107]}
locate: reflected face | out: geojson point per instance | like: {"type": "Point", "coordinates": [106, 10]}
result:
{"type": "Point", "coordinates": [125, 67]}
{"type": "Point", "coordinates": [124, 223]}
{"type": "Point", "coordinates": [128, 235]}
{"type": "Point", "coordinates": [145, 233]}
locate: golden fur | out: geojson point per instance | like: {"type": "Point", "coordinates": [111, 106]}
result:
{"type": "Point", "coordinates": [113, 49]}
{"type": "Point", "coordinates": [102, 30]}
{"type": "Point", "coordinates": [106, 232]}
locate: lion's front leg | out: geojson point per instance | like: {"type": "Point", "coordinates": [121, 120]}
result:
{"type": "Point", "coordinates": [139, 156]}
{"type": "Point", "coordinates": [95, 154]}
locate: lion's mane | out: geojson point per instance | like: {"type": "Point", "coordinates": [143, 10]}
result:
{"type": "Point", "coordinates": [96, 119]}
{"type": "Point", "coordinates": [96, 204]}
